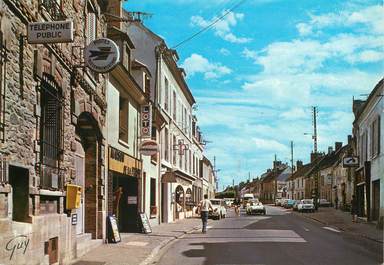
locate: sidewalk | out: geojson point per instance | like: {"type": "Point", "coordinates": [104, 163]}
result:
{"type": "Point", "coordinates": [343, 221]}
{"type": "Point", "coordinates": [135, 248]}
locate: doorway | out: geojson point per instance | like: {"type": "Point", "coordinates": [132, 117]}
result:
{"type": "Point", "coordinates": [375, 200]}
{"type": "Point", "coordinates": [80, 176]}
{"type": "Point", "coordinates": [127, 204]}
{"type": "Point", "coordinates": [360, 197]}
{"type": "Point", "coordinates": [19, 180]}
{"type": "Point", "coordinates": [164, 202]}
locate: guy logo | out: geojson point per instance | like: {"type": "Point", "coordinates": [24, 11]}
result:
{"type": "Point", "coordinates": [17, 243]}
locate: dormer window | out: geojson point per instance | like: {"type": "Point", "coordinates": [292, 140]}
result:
{"type": "Point", "coordinates": [127, 58]}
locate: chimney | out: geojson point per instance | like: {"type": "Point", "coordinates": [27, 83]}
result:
{"type": "Point", "coordinates": [356, 106]}
{"type": "Point", "coordinates": [314, 156]}
{"type": "Point", "coordinates": [330, 149]}
{"type": "Point", "coordinates": [299, 164]}
{"type": "Point", "coordinates": [338, 145]}
{"type": "Point", "coordinates": [350, 140]}
{"type": "Point", "coordinates": [276, 164]}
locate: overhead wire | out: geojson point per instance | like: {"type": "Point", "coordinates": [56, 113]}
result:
{"type": "Point", "coordinates": [211, 24]}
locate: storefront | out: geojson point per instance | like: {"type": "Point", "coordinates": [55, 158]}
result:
{"type": "Point", "coordinates": [124, 195]}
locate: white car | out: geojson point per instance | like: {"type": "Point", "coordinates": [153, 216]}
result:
{"type": "Point", "coordinates": [306, 205]}
{"type": "Point", "coordinates": [255, 207]}
{"type": "Point", "coordinates": [219, 209]}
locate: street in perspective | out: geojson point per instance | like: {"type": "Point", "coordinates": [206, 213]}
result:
{"type": "Point", "coordinates": [194, 132]}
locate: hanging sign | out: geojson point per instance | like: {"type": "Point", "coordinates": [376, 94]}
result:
{"type": "Point", "coordinates": [50, 32]}
{"type": "Point", "coordinates": [351, 161]}
{"type": "Point", "coordinates": [146, 121]}
{"type": "Point", "coordinates": [102, 55]}
{"type": "Point", "coordinates": [149, 148]}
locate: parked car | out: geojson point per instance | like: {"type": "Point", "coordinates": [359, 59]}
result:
{"type": "Point", "coordinates": [283, 202]}
{"type": "Point", "coordinates": [289, 203]}
{"type": "Point", "coordinates": [295, 205]}
{"type": "Point", "coordinates": [278, 202]}
{"type": "Point", "coordinates": [255, 207]}
{"type": "Point", "coordinates": [324, 203]}
{"type": "Point", "coordinates": [306, 205]}
{"type": "Point", "coordinates": [219, 209]}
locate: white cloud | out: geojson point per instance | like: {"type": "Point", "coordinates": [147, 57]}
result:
{"type": "Point", "coordinates": [224, 52]}
{"type": "Point", "coordinates": [196, 63]}
{"type": "Point", "coordinates": [270, 145]}
{"type": "Point", "coordinates": [371, 17]}
{"type": "Point", "coordinates": [294, 114]}
{"type": "Point", "coordinates": [249, 54]}
{"type": "Point", "coordinates": [223, 28]}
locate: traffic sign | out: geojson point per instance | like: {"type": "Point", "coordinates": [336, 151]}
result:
{"type": "Point", "coordinates": [351, 161]}
{"type": "Point", "coordinates": [149, 148]}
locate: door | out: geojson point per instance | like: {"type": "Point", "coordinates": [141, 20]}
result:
{"type": "Point", "coordinates": [164, 205]}
{"type": "Point", "coordinates": [128, 207]}
{"type": "Point", "coordinates": [80, 169]}
{"type": "Point", "coordinates": [375, 200]}
{"type": "Point", "coordinates": [19, 180]}
{"type": "Point", "coordinates": [360, 200]}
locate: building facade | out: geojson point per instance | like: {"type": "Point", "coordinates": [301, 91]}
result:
{"type": "Point", "coordinates": [369, 138]}
{"type": "Point", "coordinates": [52, 135]}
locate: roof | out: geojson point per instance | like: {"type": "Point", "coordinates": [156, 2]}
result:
{"type": "Point", "coordinates": [273, 174]}
{"type": "Point", "coordinates": [371, 96]}
{"type": "Point", "coordinates": [329, 159]}
{"type": "Point", "coordinates": [300, 172]}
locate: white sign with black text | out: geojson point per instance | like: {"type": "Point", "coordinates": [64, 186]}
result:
{"type": "Point", "coordinates": [50, 32]}
{"type": "Point", "coordinates": [146, 121]}
{"type": "Point", "coordinates": [102, 55]}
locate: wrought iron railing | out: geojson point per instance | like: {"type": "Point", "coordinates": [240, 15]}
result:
{"type": "Point", "coordinates": [54, 9]}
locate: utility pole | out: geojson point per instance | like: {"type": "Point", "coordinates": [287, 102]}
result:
{"type": "Point", "coordinates": [275, 171]}
{"type": "Point", "coordinates": [249, 176]}
{"type": "Point", "coordinates": [314, 112]}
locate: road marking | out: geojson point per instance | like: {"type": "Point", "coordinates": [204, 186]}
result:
{"type": "Point", "coordinates": [137, 243]}
{"type": "Point", "coordinates": [331, 229]}
{"type": "Point", "coordinates": [306, 229]}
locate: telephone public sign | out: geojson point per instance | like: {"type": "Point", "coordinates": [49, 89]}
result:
{"type": "Point", "coordinates": [50, 32]}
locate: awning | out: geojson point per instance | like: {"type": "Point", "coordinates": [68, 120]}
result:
{"type": "Point", "coordinates": [177, 177]}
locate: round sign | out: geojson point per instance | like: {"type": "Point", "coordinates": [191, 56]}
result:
{"type": "Point", "coordinates": [149, 148]}
{"type": "Point", "coordinates": [102, 55]}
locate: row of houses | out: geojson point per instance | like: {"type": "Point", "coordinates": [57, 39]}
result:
{"type": "Point", "coordinates": [356, 168]}
{"type": "Point", "coordinates": [63, 125]}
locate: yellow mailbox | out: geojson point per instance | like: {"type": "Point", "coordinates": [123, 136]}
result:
{"type": "Point", "coordinates": [73, 196]}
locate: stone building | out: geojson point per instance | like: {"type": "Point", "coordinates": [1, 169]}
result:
{"type": "Point", "coordinates": [52, 134]}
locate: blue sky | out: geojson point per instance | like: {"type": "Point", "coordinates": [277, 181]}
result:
{"type": "Point", "coordinates": [256, 73]}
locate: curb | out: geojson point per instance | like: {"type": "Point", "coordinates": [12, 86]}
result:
{"type": "Point", "coordinates": [342, 229]}
{"type": "Point", "coordinates": [148, 260]}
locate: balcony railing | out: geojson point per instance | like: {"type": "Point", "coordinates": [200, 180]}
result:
{"type": "Point", "coordinates": [54, 9]}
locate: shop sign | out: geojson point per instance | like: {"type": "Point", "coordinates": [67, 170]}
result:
{"type": "Point", "coordinates": [50, 32]}
{"type": "Point", "coordinates": [102, 55]}
{"type": "Point", "coordinates": [132, 200]}
{"type": "Point", "coordinates": [146, 121]}
{"type": "Point", "coordinates": [149, 148]}
{"type": "Point", "coordinates": [123, 163]}
{"type": "Point", "coordinates": [351, 161]}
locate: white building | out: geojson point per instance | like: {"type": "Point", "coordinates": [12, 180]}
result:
{"type": "Point", "coordinates": [369, 137]}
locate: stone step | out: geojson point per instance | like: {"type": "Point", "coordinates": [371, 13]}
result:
{"type": "Point", "coordinates": [85, 243]}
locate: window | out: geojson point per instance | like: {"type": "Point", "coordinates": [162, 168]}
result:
{"type": "Point", "coordinates": [91, 24]}
{"type": "Point", "coordinates": [154, 137]}
{"type": "Point", "coordinates": [3, 59]}
{"type": "Point", "coordinates": [375, 137]}
{"type": "Point", "coordinates": [166, 96]}
{"type": "Point", "coordinates": [54, 9]}
{"type": "Point", "coordinates": [166, 144]}
{"type": "Point", "coordinates": [123, 119]}
{"type": "Point", "coordinates": [174, 105]}
{"type": "Point", "coordinates": [153, 192]}
{"type": "Point", "coordinates": [174, 150]}
{"type": "Point", "coordinates": [127, 59]}
{"type": "Point", "coordinates": [50, 132]}
{"type": "Point", "coordinates": [147, 85]}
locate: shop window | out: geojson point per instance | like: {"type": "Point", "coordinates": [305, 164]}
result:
{"type": "Point", "coordinates": [51, 133]}
{"type": "Point", "coordinates": [123, 119]}
{"type": "Point", "coordinates": [188, 200]}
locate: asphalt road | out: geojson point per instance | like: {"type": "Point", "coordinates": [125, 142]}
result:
{"type": "Point", "coordinates": [276, 238]}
